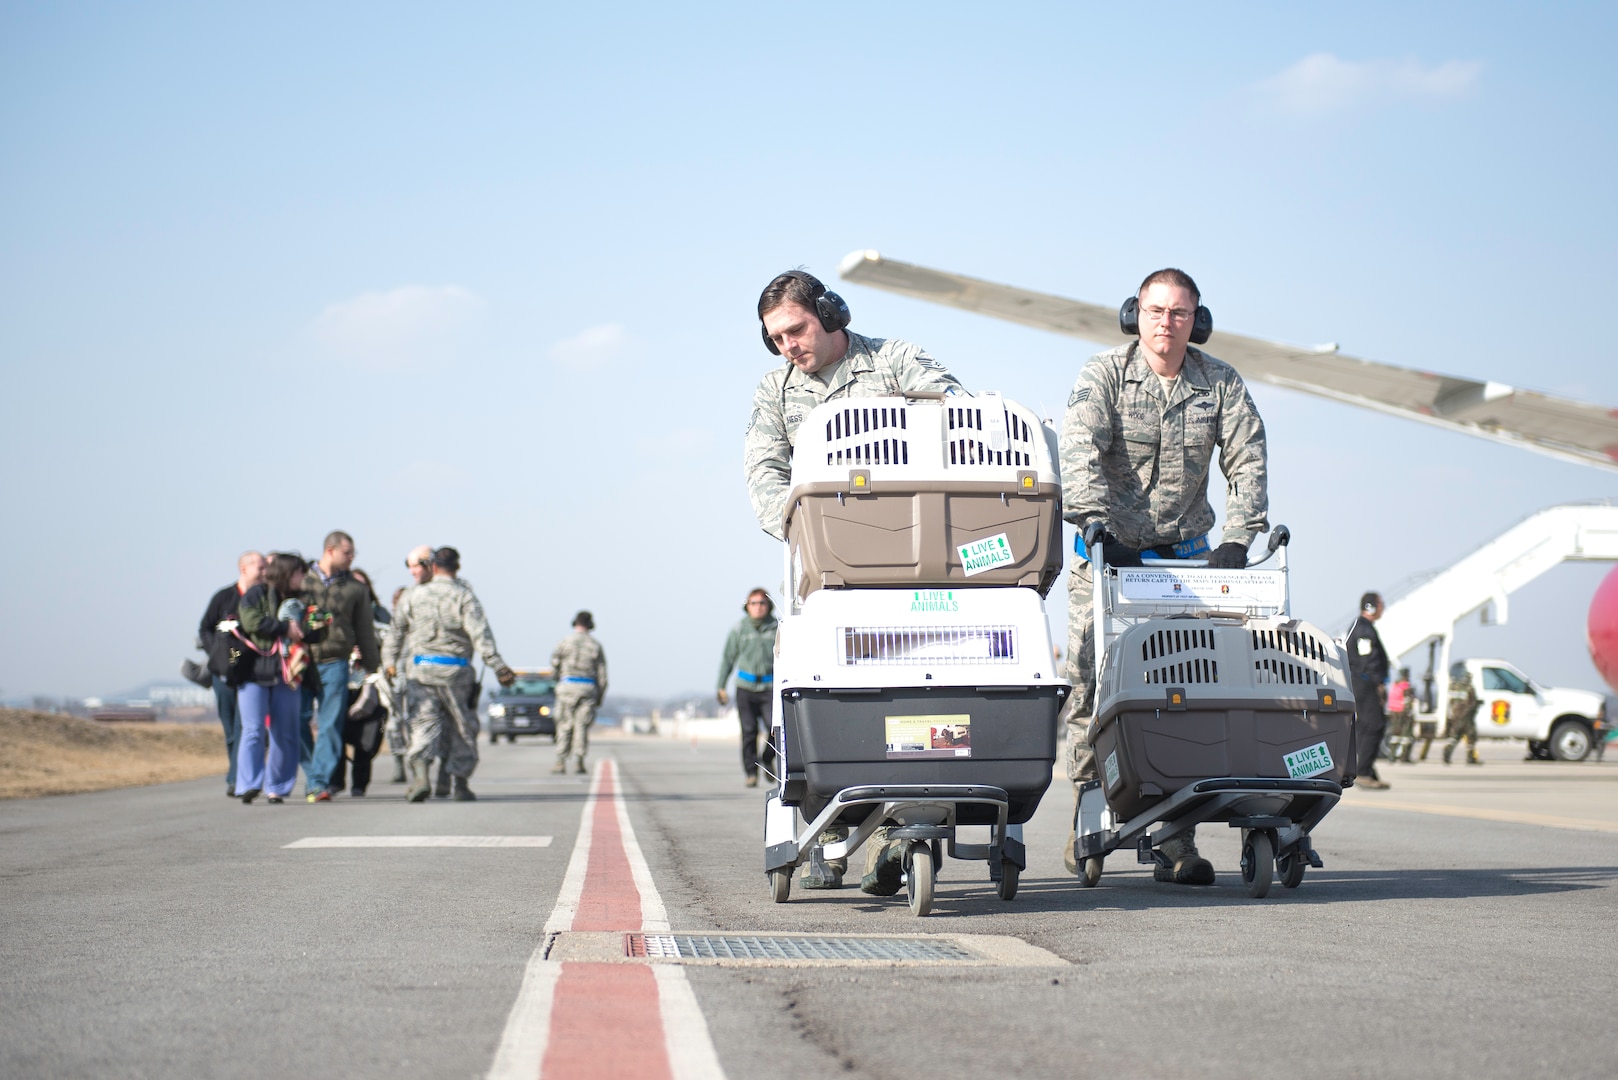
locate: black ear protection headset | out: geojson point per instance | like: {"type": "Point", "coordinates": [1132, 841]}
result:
{"type": "Point", "coordinates": [830, 309]}
{"type": "Point", "coordinates": [1129, 321]}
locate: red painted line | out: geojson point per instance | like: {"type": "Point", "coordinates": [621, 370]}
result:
{"type": "Point", "coordinates": [606, 1021]}
{"type": "Point", "coordinates": [610, 900]}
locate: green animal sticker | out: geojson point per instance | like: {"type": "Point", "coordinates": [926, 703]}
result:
{"type": "Point", "coordinates": [985, 554]}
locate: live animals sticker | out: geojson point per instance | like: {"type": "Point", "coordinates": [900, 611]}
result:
{"type": "Point", "coordinates": [1310, 761]}
{"type": "Point", "coordinates": [986, 554]}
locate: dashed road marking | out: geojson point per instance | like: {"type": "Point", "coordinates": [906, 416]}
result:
{"type": "Point", "coordinates": [1374, 801]}
{"type": "Point", "coordinates": [419, 841]}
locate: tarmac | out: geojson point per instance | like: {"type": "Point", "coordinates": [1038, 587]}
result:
{"type": "Point", "coordinates": [1462, 926]}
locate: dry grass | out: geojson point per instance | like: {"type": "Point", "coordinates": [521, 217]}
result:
{"type": "Point", "coordinates": [48, 754]}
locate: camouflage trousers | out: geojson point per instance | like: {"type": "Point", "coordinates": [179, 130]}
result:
{"type": "Point", "coordinates": [1460, 730]}
{"type": "Point", "coordinates": [1080, 669]}
{"type": "Point", "coordinates": [575, 713]}
{"type": "Point", "coordinates": [442, 713]}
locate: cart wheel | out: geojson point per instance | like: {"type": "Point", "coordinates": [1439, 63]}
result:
{"type": "Point", "coordinates": [1090, 872]}
{"type": "Point", "coordinates": [1006, 887]}
{"type": "Point", "coordinates": [1258, 864]}
{"type": "Point", "coordinates": [1290, 869]}
{"type": "Point", "coordinates": [780, 885]}
{"type": "Point", "coordinates": [920, 879]}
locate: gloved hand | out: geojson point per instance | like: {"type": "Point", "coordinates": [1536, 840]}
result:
{"type": "Point", "coordinates": [1116, 554]}
{"type": "Point", "coordinates": [1228, 557]}
{"type": "Point", "coordinates": [505, 676]}
{"type": "Point", "coordinates": [724, 698]}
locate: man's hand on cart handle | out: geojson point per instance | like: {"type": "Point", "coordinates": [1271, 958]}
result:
{"type": "Point", "coordinates": [724, 698]}
{"type": "Point", "coordinates": [1113, 553]}
{"type": "Point", "coordinates": [1230, 556]}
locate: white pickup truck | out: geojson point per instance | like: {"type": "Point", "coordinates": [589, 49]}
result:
{"type": "Point", "coordinates": [1558, 724]}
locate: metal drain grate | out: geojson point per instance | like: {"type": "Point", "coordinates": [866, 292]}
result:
{"type": "Point", "coordinates": [759, 947]}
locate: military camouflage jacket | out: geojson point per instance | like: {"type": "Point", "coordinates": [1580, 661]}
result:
{"type": "Point", "coordinates": [580, 656]}
{"type": "Point", "coordinates": [1140, 463]}
{"type": "Point", "coordinates": [1463, 699]}
{"type": "Point", "coordinates": [873, 367]}
{"type": "Point", "coordinates": [441, 618]}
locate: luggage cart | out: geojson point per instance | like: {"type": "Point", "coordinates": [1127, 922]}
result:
{"type": "Point", "coordinates": [1212, 704]}
{"type": "Point", "coordinates": [915, 684]}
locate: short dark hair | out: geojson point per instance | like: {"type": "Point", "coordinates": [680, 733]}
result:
{"type": "Point", "coordinates": [1170, 276]}
{"type": "Point", "coordinates": [335, 538]}
{"type": "Point", "coordinates": [585, 619]}
{"type": "Point", "coordinates": [448, 558]}
{"type": "Point", "coordinates": [795, 286]}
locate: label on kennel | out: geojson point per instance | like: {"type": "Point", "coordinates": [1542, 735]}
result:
{"type": "Point", "coordinates": [985, 554]}
{"type": "Point", "coordinates": [912, 737]}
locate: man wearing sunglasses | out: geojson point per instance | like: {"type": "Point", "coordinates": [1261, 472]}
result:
{"type": "Point", "coordinates": [1138, 442]}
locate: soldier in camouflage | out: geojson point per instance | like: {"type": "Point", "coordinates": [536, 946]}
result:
{"type": "Point", "coordinates": [1462, 715]}
{"type": "Point", "coordinates": [580, 667]}
{"type": "Point", "coordinates": [436, 627]}
{"type": "Point", "coordinates": [1138, 441]}
{"type": "Point", "coordinates": [825, 361]}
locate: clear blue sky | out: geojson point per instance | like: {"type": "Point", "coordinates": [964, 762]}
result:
{"type": "Point", "coordinates": [485, 276]}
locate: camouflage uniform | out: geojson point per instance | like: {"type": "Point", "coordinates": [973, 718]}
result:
{"type": "Point", "coordinates": [872, 367]}
{"type": "Point", "coordinates": [581, 682]}
{"type": "Point", "coordinates": [437, 622]}
{"type": "Point", "coordinates": [1462, 715]}
{"type": "Point", "coordinates": [1139, 465]}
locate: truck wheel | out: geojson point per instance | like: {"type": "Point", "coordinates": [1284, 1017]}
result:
{"type": "Point", "coordinates": [1570, 741]}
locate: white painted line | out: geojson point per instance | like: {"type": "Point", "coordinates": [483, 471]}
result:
{"type": "Point", "coordinates": [419, 841]}
{"type": "Point", "coordinates": [567, 900]}
{"type": "Point", "coordinates": [685, 1032]}
{"type": "Point", "coordinates": [528, 1026]}
{"type": "Point", "coordinates": [653, 918]}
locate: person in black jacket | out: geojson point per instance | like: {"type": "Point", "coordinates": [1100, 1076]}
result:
{"type": "Point", "coordinates": [222, 608]}
{"type": "Point", "coordinates": [1368, 663]}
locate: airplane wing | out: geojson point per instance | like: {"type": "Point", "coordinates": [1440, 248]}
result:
{"type": "Point", "coordinates": [1570, 430]}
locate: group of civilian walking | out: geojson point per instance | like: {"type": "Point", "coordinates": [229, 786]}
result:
{"type": "Point", "coordinates": [298, 667]}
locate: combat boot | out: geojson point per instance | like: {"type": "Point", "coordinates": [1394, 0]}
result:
{"type": "Point", "coordinates": [1185, 866]}
{"type": "Point", "coordinates": [441, 789]}
{"type": "Point", "coordinates": [1070, 858]}
{"type": "Point", "coordinates": [1449, 752]}
{"type": "Point", "coordinates": [398, 770]}
{"type": "Point", "coordinates": [462, 793]}
{"type": "Point", "coordinates": [884, 869]}
{"type": "Point", "coordinates": [578, 767]}
{"type": "Point", "coordinates": [1472, 758]}
{"type": "Point", "coordinates": [423, 786]}
{"type": "Point", "coordinates": [559, 767]}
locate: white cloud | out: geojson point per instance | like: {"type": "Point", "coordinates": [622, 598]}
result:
{"type": "Point", "coordinates": [592, 348]}
{"type": "Point", "coordinates": [402, 327]}
{"type": "Point", "coordinates": [1321, 84]}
